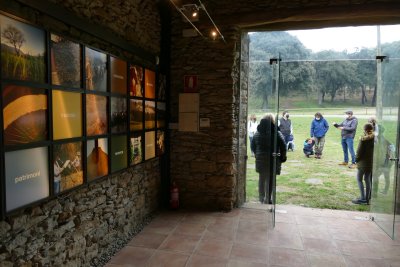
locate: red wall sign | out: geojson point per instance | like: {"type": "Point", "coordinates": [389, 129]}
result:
{"type": "Point", "coordinates": [190, 84]}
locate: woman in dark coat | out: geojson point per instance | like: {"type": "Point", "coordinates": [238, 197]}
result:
{"type": "Point", "coordinates": [263, 147]}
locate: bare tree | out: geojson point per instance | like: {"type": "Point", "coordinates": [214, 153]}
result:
{"type": "Point", "coordinates": [14, 37]}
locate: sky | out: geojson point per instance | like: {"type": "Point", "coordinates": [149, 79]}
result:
{"type": "Point", "coordinates": [346, 38]}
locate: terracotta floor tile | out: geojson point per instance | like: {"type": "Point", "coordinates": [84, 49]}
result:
{"type": "Point", "coordinates": [358, 249]}
{"type": "Point", "coordinates": [312, 245]}
{"type": "Point", "coordinates": [214, 248]}
{"type": "Point", "coordinates": [347, 234]}
{"type": "Point", "coordinates": [249, 253]}
{"type": "Point", "coordinates": [254, 215]}
{"type": "Point", "coordinates": [286, 228]}
{"type": "Point", "coordinates": [236, 263]}
{"type": "Point", "coordinates": [201, 261]}
{"type": "Point", "coordinates": [301, 219]}
{"type": "Point", "coordinates": [190, 229]}
{"type": "Point", "coordinates": [161, 227]}
{"type": "Point", "coordinates": [220, 233]}
{"type": "Point", "coordinates": [253, 226]}
{"type": "Point", "coordinates": [326, 260]}
{"type": "Point", "coordinates": [168, 259]}
{"type": "Point", "coordinates": [287, 257]}
{"type": "Point", "coordinates": [359, 262]}
{"type": "Point", "coordinates": [284, 217]}
{"type": "Point", "coordinates": [276, 239]}
{"type": "Point", "coordinates": [180, 243]}
{"type": "Point", "coordinates": [255, 238]}
{"type": "Point", "coordinates": [225, 222]}
{"type": "Point", "coordinates": [314, 231]}
{"type": "Point", "coordinates": [148, 240]}
{"type": "Point", "coordinates": [199, 218]}
{"type": "Point", "coordinates": [132, 256]}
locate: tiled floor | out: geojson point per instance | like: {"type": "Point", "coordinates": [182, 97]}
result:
{"type": "Point", "coordinates": [302, 237]}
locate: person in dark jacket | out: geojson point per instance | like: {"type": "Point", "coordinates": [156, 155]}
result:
{"type": "Point", "coordinates": [286, 128]}
{"type": "Point", "coordinates": [263, 147]}
{"type": "Point", "coordinates": [364, 159]}
{"type": "Point", "coordinates": [308, 147]}
{"type": "Point", "coordinates": [348, 131]}
{"type": "Point", "coordinates": [319, 127]}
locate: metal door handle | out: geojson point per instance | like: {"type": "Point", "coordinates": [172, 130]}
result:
{"type": "Point", "coordinates": [276, 154]}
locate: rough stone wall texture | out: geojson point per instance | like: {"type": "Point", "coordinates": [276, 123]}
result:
{"type": "Point", "coordinates": [78, 228]}
{"type": "Point", "coordinates": [208, 165]}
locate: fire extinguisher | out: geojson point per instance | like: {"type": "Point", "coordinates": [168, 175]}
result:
{"type": "Point", "coordinates": [174, 200]}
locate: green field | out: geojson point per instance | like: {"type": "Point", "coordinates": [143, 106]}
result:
{"type": "Point", "coordinates": [338, 185]}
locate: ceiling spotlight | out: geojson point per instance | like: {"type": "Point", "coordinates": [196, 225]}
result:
{"type": "Point", "coordinates": [214, 34]}
{"type": "Point", "coordinates": [194, 14]}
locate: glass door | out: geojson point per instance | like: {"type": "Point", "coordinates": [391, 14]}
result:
{"type": "Point", "coordinates": [386, 150]}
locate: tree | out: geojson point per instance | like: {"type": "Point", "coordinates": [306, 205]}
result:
{"type": "Point", "coordinates": [15, 37]}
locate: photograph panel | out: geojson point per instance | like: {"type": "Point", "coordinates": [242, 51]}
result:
{"type": "Point", "coordinates": [96, 114]}
{"type": "Point", "coordinates": [96, 70]}
{"type": "Point", "coordinates": [97, 158]}
{"type": "Point", "coordinates": [67, 163]}
{"type": "Point", "coordinates": [161, 114]}
{"type": "Point", "coordinates": [67, 114]}
{"type": "Point", "coordinates": [150, 148]}
{"type": "Point", "coordinates": [27, 177]}
{"type": "Point", "coordinates": [150, 84]}
{"type": "Point", "coordinates": [136, 155]}
{"type": "Point", "coordinates": [136, 115]}
{"type": "Point", "coordinates": [136, 81]}
{"type": "Point", "coordinates": [162, 87]}
{"type": "Point", "coordinates": [150, 114]}
{"type": "Point", "coordinates": [119, 115]}
{"type": "Point", "coordinates": [160, 146]}
{"type": "Point", "coordinates": [23, 51]}
{"type": "Point", "coordinates": [24, 114]}
{"type": "Point", "coordinates": [119, 153]}
{"type": "Point", "coordinates": [118, 75]}
{"type": "Point", "coordinates": [65, 62]}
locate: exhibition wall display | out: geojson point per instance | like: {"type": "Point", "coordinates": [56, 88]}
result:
{"type": "Point", "coordinates": [71, 114]}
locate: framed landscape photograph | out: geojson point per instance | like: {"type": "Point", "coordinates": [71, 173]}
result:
{"type": "Point", "coordinates": [150, 148]}
{"type": "Point", "coordinates": [150, 84]}
{"type": "Point", "coordinates": [118, 76]}
{"type": "Point", "coordinates": [150, 114]}
{"type": "Point", "coordinates": [96, 114]}
{"type": "Point", "coordinates": [67, 164]}
{"type": "Point", "coordinates": [97, 158]}
{"type": "Point", "coordinates": [67, 114]}
{"type": "Point", "coordinates": [136, 115]}
{"type": "Point", "coordinates": [160, 146]}
{"type": "Point", "coordinates": [27, 177]}
{"type": "Point", "coordinates": [23, 50]}
{"type": "Point", "coordinates": [161, 114]}
{"type": "Point", "coordinates": [162, 85]}
{"type": "Point", "coordinates": [96, 70]}
{"type": "Point", "coordinates": [24, 114]}
{"type": "Point", "coordinates": [136, 144]}
{"type": "Point", "coordinates": [119, 115]}
{"type": "Point", "coordinates": [119, 153]}
{"type": "Point", "coordinates": [65, 61]}
{"type": "Point", "coordinates": [136, 81]}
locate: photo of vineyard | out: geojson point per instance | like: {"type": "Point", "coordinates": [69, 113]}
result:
{"type": "Point", "coordinates": [22, 51]}
{"type": "Point", "coordinates": [136, 112]}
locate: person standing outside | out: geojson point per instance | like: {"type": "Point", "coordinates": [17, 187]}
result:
{"type": "Point", "coordinates": [285, 126]}
{"type": "Point", "coordinates": [319, 128]}
{"type": "Point", "coordinates": [365, 153]}
{"type": "Point", "coordinates": [263, 145]}
{"type": "Point", "coordinates": [252, 129]}
{"type": "Point", "coordinates": [348, 131]}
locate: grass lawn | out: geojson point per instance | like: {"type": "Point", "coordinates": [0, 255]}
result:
{"type": "Point", "coordinates": [337, 184]}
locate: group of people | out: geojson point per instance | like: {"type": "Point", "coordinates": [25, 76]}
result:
{"type": "Point", "coordinates": [263, 135]}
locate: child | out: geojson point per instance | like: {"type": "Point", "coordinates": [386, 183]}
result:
{"type": "Point", "coordinates": [308, 147]}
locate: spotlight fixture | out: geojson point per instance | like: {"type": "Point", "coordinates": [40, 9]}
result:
{"type": "Point", "coordinates": [191, 13]}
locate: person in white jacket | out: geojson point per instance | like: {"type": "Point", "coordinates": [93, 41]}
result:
{"type": "Point", "coordinates": [252, 128]}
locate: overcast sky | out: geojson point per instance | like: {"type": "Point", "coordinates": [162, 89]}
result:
{"type": "Point", "coordinates": [346, 38]}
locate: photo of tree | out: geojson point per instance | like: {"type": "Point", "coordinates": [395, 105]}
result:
{"type": "Point", "coordinates": [118, 115]}
{"type": "Point", "coordinates": [97, 158]}
{"type": "Point", "coordinates": [24, 114]}
{"type": "Point", "coordinates": [162, 86]}
{"type": "Point", "coordinates": [150, 84]}
{"type": "Point", "coordinates": [136, 81]}
{"type": "Point", "coordinates": [23, 51]}
{"type": "Point", "coordinates": [65, 62]}
{"type": "Point", "coordinates": [160, 147]}
{"type": "Point", "coordinates": [136, 155]}
{"type": "Point", "coordinates": [96, 114]}
{"type": "Point", "coordinates": [67, 114]}
{"type": "Point", "coordinates": [161, 114]}
{"type": "Point", "coordinates": [119, 153]}
{"type": "Point", "coordinates": [26, 177]}
{"type": "Point", "coordinates": [118, 76]}
{"type": "Point", "coordinates": [67, 163]}
{"type": "Point", "coordinates": [150, 114]}
{"type": "Point", "coordinates": [96, 70]}
{"type": "Point", "coordinates": [136, 115]}
{"type": "Point", "coordinates": [150, 148]}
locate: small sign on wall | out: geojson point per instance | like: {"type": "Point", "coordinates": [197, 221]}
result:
{"type": "Point", "coordinates": [190, 84]}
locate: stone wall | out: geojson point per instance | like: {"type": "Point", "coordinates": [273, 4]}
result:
{"type": "Point", "coordinates": [83, 226]}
